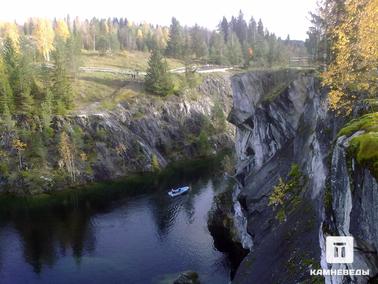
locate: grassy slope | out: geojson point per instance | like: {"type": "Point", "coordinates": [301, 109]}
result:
{"type": "Point", "coordinates": [135, 60]}
{"type": "Point", "coordinates": [104, 88]}
{"type": "Point", "coordinates": [107, 89]}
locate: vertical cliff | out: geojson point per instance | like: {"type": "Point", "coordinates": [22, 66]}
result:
{"type": "Point", "coordinates": [285, 162]}
{"type": "Point", "coordinates": [353, 209]}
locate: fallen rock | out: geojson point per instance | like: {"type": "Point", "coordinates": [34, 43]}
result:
{"type": "Point", "coordinates": [187, 277]}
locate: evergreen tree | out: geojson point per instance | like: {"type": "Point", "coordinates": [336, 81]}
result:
{"type": "Point", "coordinates": [158, 79]}
{"type": "Point", "coordinates": [6, 118]}
{"type": "Point", "coordinates": [175, 42]}
{"type": "Point", "coordinates": [224, 28]}
{"type": "Point", "coordinates": [18, 69]}
{"type": "Point", "coordinates": [234, 50]}
{"type": "Point", "coordinates": [273, 50]}
{"type": "Point", "coordinates": [61, 84]}
{"type": "Point", "coordinates": [6, 94]}
{"type": "Point", "coordinates": [241, 28]}
{"type": "Point", "coordinates": [73, 49]}
{"type": "Point", "coordinates": [198, 41]}
{"type": "Point", "coordinates": [102, 44]}
{"type": "Point", "coordinates": [260, 28]}
{"type": "Point", "coordinates": [46, 109]}
{"type": "Point", "coordinates": [218, 49]}
{"type": "Point", "coordinates": [252, 31]}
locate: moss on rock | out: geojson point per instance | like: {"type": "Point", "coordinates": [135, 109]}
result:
{"type": "Point", "coordinates": [364, 147]}
{"type": "Point", "coordinates": [367, 122]}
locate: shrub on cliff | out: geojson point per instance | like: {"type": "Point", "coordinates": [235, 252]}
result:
{"type": "Point", "coordinates": [285, 195]}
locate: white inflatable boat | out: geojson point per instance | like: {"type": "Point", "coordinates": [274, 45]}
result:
{"type": "Point", "coordinates": [178, 191]}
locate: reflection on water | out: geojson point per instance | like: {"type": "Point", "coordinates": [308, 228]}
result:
{"type": "Point", "coordinates": [143, 238]}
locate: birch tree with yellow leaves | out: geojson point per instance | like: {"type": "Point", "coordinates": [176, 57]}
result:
{"type": "Point", "coordinates": [66, 154]}
{"type": "Point", "coordinates": [354, 51]}
{"type": "Point", "coordinates": [61, 30]}
{"type": "Point", "coordinates": [44, 37]}
{"type": "Point", "coordinates": [10, 31]}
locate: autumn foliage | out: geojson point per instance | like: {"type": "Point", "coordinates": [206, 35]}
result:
{"type": "Point", "coordinates": [354, 54]}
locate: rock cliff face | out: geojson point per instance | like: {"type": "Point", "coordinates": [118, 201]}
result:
{"type": "Point", "coordinates": [353, 211]}
{"type": "Point", "coordinates": [283, 123]}
{"type": "Point", "coordinates": [114, 143]}
{"type": "Point", "coordinates": [165, 127]}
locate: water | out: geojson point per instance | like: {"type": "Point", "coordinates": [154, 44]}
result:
{"type": "Point", "coordinates": [142, 238]}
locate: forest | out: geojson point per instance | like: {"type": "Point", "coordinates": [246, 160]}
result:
{"type": "Point", "coordinates": [40, 58]}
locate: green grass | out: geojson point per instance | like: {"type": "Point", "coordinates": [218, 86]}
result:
{"type": "Point", "coordinates": [135, 60]}
{"type": "Point", "coordinates": [365, 146]}
{"type": "Point", "coordinates": [106, 89]}
{"type": "Point", "coordinates": [101, 90]}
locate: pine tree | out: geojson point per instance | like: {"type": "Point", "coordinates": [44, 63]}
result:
{"type": "Point", "coordinates": [198, 42]}
{"type": "Point", "coordinates": [218, 49]}
{"type": "Point", "coordinates": [234, 50]}
{"type": "Point", "coordinates": [6, 94]}
{"type": "Point", "coordinates": [61, 85]}
{"type": "Point", "coordinates": [19, 74]}
{"type": "Point", "coordinates": [73, 50]}
{"type": "Point", "coordinates": [175, 42]}
{"type": "Point", "coordinates": [224, 28]}
{"type": "Point", "coordinates": [158, 79]}
{"type": "Point", "coordinates": [252, 31]}
{"type": "Point", "coordinates": [260, 29]}
{"type": "Point", "coordinates": [6, 118]}
{"type": "Point", "coordinates": [46, 110]}
{"type": "Point", "coordinates": [273, 50]}
{"type": "Point", "coordinates": [241, 28]}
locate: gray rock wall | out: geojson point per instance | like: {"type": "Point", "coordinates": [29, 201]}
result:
{"type": "Point", "coordinates": [282, 119]}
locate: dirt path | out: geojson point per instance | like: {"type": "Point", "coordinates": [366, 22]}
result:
{"type": "Point", "coordinates": [130, 72]}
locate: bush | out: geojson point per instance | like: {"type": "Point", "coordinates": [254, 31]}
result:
{"type": "Point", "coordinates": [203, 143]}
{"type": "Point", "coordinates": [4, 169]}
{"type": "Point", "coordinates": [285, 195]}
{"type": "Point", "coordinates": [155, 163]}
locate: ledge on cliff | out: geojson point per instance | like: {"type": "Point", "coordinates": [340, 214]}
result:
{"type": "Point", "coordinates": [256, 87]}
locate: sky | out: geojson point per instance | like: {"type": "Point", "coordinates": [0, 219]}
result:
{"type": "Point", "coordinates": [282, 17]}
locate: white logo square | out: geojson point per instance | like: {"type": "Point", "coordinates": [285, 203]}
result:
{"type": "Point", "coordinates": [339, 249]}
